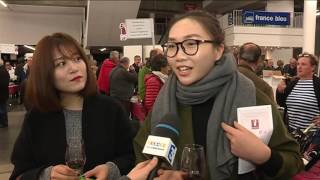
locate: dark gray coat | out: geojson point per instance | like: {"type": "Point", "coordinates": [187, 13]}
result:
{"type": "Point", "coordinates": [4, 83]}
{"type": "Point", "coordinates": [122, 83]}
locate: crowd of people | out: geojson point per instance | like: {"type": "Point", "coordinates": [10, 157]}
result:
{"type": "Point", "coordinates": [195, 76]}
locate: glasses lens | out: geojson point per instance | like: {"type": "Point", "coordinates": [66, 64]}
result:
{"type": "Point", "coordinates": [190, 46]}
{"type": "Point", "coordinates": [170, 49]}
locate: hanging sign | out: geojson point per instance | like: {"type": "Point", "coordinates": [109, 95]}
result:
{"type": "Point", "coordinates": [263, 17]}
{"type": "Point", "coordinates": [139, 28]}
{"type": "Point", "coordinates": [8, 49]}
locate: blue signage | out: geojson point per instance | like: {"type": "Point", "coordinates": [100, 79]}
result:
{"type": "Point", "coordinates": [263, 17]}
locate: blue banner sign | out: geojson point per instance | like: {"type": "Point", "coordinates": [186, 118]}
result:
{"type": "Point", "coordinates": [263, 17]}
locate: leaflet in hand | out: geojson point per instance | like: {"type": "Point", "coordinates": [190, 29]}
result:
{"type": "Point", "coordinates": [258, 120]}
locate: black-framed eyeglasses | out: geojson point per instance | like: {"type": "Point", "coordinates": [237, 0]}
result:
{"type": "Point", "coordinates": [188, 46]}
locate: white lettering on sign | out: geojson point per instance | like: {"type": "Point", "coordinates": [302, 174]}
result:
{"type": "Point", "coordinates": [279, 18]}
{"type": "Point", "coordinates": [264, 18]}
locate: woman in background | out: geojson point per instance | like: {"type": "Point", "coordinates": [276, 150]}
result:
{"type": "Point", "coordinates": [301, 97]}
{"type": "Point", "coordinates": [155, 80]}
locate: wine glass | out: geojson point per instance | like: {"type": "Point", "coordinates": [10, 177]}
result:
{"type": "Point", "coordinates": [193, 162]}
{"type": "Point", "coordinates": [75, 156]}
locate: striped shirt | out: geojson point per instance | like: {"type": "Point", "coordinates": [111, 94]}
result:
{"type": "Point", "coordinates": [302, 105]}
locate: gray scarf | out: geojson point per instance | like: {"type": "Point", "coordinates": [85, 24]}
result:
{"type": "Point", "coordinates": [230, 89]}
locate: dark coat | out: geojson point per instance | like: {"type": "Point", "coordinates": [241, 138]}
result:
{"type": "Point", "coordinates": [291, 72]}
{"type": "Point", "coordinates": [4, 83]}
{"type": "Point", "coordinates": [136, 67]}
{"type": "Point", "coordinates": [122, 83]}
{"type": "Point", "coordinates": [19, 72]}
{"type": "Point", "coordinates": [258, 82]}
{"type": "Point", "coordinates": [42, 140]}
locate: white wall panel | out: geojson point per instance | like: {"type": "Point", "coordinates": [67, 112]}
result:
{"type": "Point", "coordinates": [131, 51]}
{"type": "Point", "coordinates": [26, 24]}
{"type": "Point", "coordinates": [265, 36]}
{"type": "Point", "coordinates": [283, 54]}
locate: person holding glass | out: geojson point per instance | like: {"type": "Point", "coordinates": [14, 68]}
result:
{"type": "Point", "coordinates": [205, 90]}
{"type": "Point", "coordinates": [68, 112]}
{"type": "Point", "coordinates": [301, 97]}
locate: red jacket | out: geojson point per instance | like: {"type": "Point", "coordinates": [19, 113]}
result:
{"type": "Point", "coordinates": [153, 85]}
{"type": "Point", "coordinates": [103, 79]}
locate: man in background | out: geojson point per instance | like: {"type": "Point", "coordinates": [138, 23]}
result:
{"type": "Point", "coordinates": [4, 95]}
{"type": "Point", "coordinates": [269, 65]}
{"type": "Point", "coordinates": [291, 68]}
{"type": "Point", "coordinates": [137, 63]}
{"type": "Point", "coordinates": [106, 67]}
{"type": "Point", "coordinates": [25, 73]}
{"type": "Point", "coordinates": [249, 56]}
{"type": "Point", "coordinates": [280, 66]}
{"type": "Point", "coordinates": [122, 83]}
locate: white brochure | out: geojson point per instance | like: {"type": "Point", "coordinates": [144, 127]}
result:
{"type": "Point", "coordinates": [258, 120]}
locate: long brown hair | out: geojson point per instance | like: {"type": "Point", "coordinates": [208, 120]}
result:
{"type": "Point", "coordinates": [41, 92]}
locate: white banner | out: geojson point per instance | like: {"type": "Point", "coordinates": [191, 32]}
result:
{"type": "Point", "coordinates": [8, 49]}
{"type": "Point", "coordinates": [139, 28]}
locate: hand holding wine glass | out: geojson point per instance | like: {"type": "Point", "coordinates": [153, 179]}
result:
{"type": "Point", "coordinates": [62, 171]}
{"type": "Point", "coordinates": [193, 162]}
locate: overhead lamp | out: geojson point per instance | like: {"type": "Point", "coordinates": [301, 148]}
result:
{"type": "Point", "coordinates": [103, 49]}
{"type": "Point", "coordinates": [29, 47]}
{"type": "Point", "coordinates": [3, 3]}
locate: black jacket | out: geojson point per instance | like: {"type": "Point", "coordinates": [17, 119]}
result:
{"type": "Point", "coordinates": [122, 82]}
{"type": "Point", "coordinates": [287, 69]}
{"type": "Point", "coordinates": [4, 83]}
{"type": "Point", "coordinates": [106, 133]}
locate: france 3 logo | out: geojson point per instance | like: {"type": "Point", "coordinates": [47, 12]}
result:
{"type": "Point", "coordinates": [171, 153]}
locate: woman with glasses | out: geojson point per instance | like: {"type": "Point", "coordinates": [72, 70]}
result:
{"type": "Point", "coordinates": [205, 91]}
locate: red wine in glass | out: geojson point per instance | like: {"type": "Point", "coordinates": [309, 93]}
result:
{"type": "Point", "coordinates": [193, 162]}
{"type": "Point", "coordinates": [76, 164]}
{"type": "Point", "coordinates": [75, 156]}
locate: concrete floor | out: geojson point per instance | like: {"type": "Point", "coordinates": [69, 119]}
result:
{"type": "Point", "coordinates": [7, 139]}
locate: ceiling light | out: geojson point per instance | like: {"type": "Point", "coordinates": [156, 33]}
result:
{"type": "Point", "coordinates": [318, 14]}
{"type": "Point", "coordinates": [3, 3]}
{"type": "Point", "coordinates": [103, 49]}
{"type": "Point", "coordinates": [29, 47]}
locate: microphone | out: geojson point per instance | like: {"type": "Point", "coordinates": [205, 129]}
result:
{"type": "Point", "coordinates": [161, 142]}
